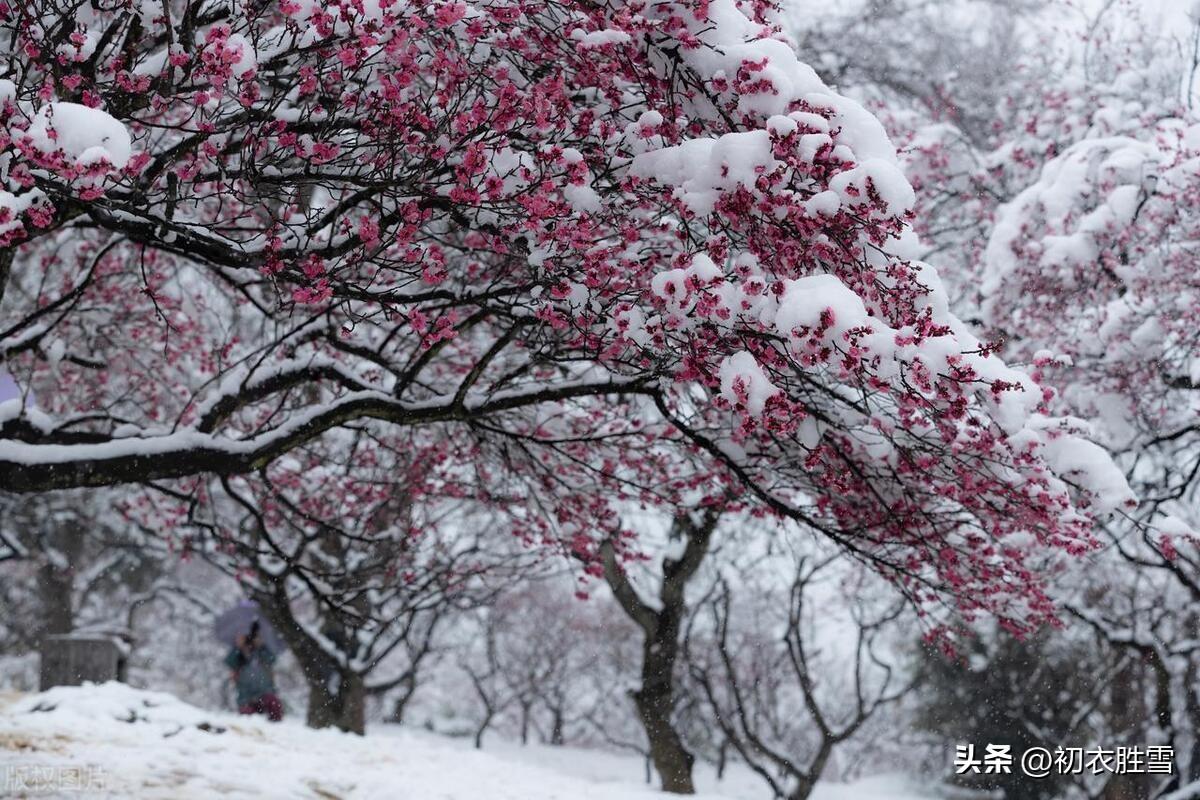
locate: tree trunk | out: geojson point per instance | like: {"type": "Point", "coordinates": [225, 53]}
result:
{"type": "Point", "coordinates": [661, 627]}
{"type": "Point", "coordinates": [1127, 716]}
{"type": "Point", "coordinates": [396, 717]}
{"type": "Point", "coordinates": [484, 724]}
{"type": "Point", "coordinates": [655, 703]}
{"type": "Point", "coordinates": [343, 707]}
{"type": "Point", "coordinates": [1191, 699]}
{"type": "Point", "coordinates": [557, 725]}
{"type": "Point", "coordinates": [525, 708]}
{"type": "Point", "coordinates": [56, 584]}
{"type": "Point", "coordinates": [336, 698]}
{"type": "Point", "coordinates": [55, 587]}
{"type": "Point", "coordinates": [671, 759]}
{"type": "Point", "coordinates": [806, 782]}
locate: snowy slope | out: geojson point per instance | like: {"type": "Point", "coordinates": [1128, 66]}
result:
{"type": "Point", "coordinates": [151, 745]}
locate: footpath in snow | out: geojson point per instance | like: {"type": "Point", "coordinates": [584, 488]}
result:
{"type": "Point", "coordinates": [120, 742]}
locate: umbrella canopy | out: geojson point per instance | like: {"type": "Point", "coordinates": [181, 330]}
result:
{"type": "Point", "coordinates": [9, 390]}
{"type": "Point", "coordinates": [237, 621]}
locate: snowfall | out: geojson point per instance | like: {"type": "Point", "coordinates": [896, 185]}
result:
{"type": "Point", "coordinates": [122, 742]}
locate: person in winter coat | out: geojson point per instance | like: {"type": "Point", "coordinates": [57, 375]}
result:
{"type": "Point", "coordinates": [251, 661]}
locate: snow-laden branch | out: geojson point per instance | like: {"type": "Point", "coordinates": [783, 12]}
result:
{"type": "Point", "coordinates": [42, 465]}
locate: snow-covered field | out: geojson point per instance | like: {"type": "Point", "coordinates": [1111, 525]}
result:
{"type": "Point", "coordinates": [130, 743]}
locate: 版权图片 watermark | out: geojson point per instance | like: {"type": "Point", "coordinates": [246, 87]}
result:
{"type": "Point", "coordinates": [43, 779]}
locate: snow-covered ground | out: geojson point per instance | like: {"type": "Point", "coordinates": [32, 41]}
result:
{"type": "Point", "coordinates": [123, 742]}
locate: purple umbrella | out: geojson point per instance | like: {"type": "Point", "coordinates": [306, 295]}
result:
{"type": "Point", "coordinates": [237, 622]}
{"type": "Point", "coordinates": [8, 388]}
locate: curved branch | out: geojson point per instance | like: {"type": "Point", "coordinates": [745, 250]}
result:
{"type": "Point", "coordinates": [46, 462]}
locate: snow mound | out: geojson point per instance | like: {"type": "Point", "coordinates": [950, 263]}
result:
{"type": "Point", "coordinates": [151, 745]}
{"type": "Point", "coordinates": [145, 744]}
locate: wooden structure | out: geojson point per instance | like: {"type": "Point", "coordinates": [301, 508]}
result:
{"type": "Point", "coordinates": [72, 658]}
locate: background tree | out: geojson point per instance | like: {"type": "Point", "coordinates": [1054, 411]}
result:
{"type": "Point", "coordinates": [360, 599]}
{"type": "Point", "coordinates": [661, 622]}
{"type": "Point", "coordinates": [769, 683]}
{"type": "Point", "coordinates": [970, 698]}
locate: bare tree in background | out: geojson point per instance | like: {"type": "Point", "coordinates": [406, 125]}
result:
{"type": "Point", "coordinates": [360, 601]}
{"type": "Point", "coordinates": [769, 688]}
{"type": "Point", "coordinates": [545, 665]}
{"type": "Point", "coordinates": [72, 561]}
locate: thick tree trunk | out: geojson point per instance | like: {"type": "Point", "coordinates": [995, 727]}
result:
{"type": "Point", "coordinates": [525, 713]}
{"type": "Point", "coordinates": [483, 726]}
{"type": "Point", "coordinates": [336, 698]}
{"type": "Point", "coordinates": [557, 727]}
{"type": "Point", "coordinates": [342, 707]}
{"type": "Point", "coordinates": [655, 702]}
{"type": "Point", "coordinates": [661, 627]}
{"type": "Point", "coordinates": [56, 583]}
{"type": "Point", "coordinates": [1127, 715]}
{"type": "Point", "coordinates": [55, 588]}
{"type": "Point", "coordinates": [671, 759]}
{"type": "Point", "coordinates": [806, 783]}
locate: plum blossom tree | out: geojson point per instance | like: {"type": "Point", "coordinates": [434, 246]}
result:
{"type": "Point", "coordinates": [1066, 233]}
{"type": "Point", "coordinates": [1052, 97]}
{"type": "Point", "coordinates": [1110, 227]}
{"type": "Point", "coordinates": [579, 254]}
